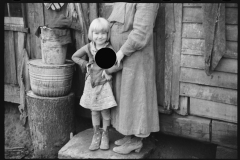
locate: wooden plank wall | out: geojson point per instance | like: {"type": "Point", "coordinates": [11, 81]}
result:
{"type": "Point", "coordinates": [10, 69]}
{"type": "Point", "coordinates": [207, 108]}
{"type": "Point", "coordinates": [211, 97]}
{"type": "Point", "coordinates": [194, 82]}
{"type": "Point", "coordinates": [13, 45]}
{"type": "Point", "coordinates": [186, 126]}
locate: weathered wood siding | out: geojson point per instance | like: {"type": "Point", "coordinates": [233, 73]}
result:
{"type": "Point", "coordinates": [193, 80]}
{"type": "Point", "coordinates": [199, 100]}
{"type": "Point", "coordinates": [211, 97]}
{"type": "Point", "coordinates": [186, 126]}
{"type": "Point", "coordinates": [13, 46]}
{"type": "Point", "coordinates": [224, 134]}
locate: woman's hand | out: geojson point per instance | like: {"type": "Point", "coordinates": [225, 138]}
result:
{"type": "Point", "coordinates": [108, 77]}
{"type": "Point", "coordinates": [120, 56]}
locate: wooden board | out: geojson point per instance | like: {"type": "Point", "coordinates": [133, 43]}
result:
{"type": "Point", "coordinates": [12, 55]}
{"type": "Point", "coordinates": [77, 147]}
{"type": "Point", "coordinates": [226, 153]}
{"type": "Point", "coordinates": [17, 58]}
{"type": "Point", "coordinates": [183, 106]}
{"type": "Point", "coordinates": [224, 134]}
{"type": "Point", "coordinates": [20, 40]}
{"type": "Point", "coordinates": [85, 11]}
{"type": "Point", "coordinates": [11, 93]}
{"type": "Point", "coordinates": [232, 5]}
{"type": "Point", "coordinates": [93, 8]}
{"type": "Point", "coordinates": [215, 94]}
{"type": "Point", "coordinates": [200, 4]}
{"type": "Point", "coordinates": [16, 28]}
{"type": "Point", "coordinates": [7, 68]}
{"type": "Point", "coordinates": [176, 55]}
{"type": "Point", "coordinates": [14, 21]}
{"type": "Point", "coordinates": [83, 20]}
{"type": "Point", "coordinates": [195, 61]}
{"type": "Point", "coordinates": [232, 33]}
{"type": "Point", "coordinates": [219, 79]}
{"type": "Point", "coordinates": [38, 21]}
{"type": "Point", "coordinates": [159, 45]}
{"type": "Point", "coordinates": [185, 126]}
{"type": "Point", "coordinates": [31, 38]}
{"type": "Point", "coordinates": [169, 40]}
{"type": "Point", "coordinates": [231, 16]}
{"type": "Point", "coordinates": [197, 47]}
{"type": "Point", "coordinates": [194, 30]}
{"type": "Point", "coordinates": [213, 110]}
{"type": "Point", "coordinates": [10, 68]}
{"type": "Point", "coordinates": [195, 15]}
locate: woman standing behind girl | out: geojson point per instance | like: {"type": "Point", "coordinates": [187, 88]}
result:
{"type": "Point", "coordinates": [97, 95]}
{"type": "Point", "coordinates": [134, 87]}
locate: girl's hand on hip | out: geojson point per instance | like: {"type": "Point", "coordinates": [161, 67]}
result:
{"type": "Point", "coordinates": [120, 56]}
{"type": "Point", "coordinates": [88, 65]}
{"type": "Point", "coordinates": [108, 77]}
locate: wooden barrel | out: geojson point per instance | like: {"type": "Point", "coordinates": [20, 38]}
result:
{"type": "Point", "coordinates": [51, 120]}
{"type": "Point", "coordinates": [50, 80]}
{"type": "Point", "coordinates": [54, 45]}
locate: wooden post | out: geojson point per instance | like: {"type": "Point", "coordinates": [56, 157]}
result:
{"type": "Point", "coordinates": [51, 122]}
{"type": "Point", "coordinates": [176, 56]}
{"type": "Point", "coordinates": [169, 40]}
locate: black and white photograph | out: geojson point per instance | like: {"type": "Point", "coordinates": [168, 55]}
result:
{"type": "Point", "coordinates": [120, 80]}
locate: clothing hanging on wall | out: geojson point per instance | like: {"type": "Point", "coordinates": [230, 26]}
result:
{"type": "Point", "coordinates": [74, 11]}
{"type": "Point", "coordinates": [54, 6]}
{"type": "Point", "coordinates": [62, 22]}
{"type": "Point", "coordinates": [215, 36]}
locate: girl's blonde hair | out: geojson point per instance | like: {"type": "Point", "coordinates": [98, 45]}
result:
{"type": "Point", "coordinates": [99, 25]}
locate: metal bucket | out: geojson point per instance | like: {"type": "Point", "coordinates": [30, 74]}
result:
{"type": "Point", "coordinates": [50, 80]}
{"type": "Point", "coordinates": [54, 45]}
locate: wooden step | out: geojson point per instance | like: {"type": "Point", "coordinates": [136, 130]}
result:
{"type": "Point", "coordinates": [77, 147]}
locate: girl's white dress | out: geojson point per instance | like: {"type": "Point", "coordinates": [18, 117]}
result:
{"type": "Point", "coordinates": [98, 98]}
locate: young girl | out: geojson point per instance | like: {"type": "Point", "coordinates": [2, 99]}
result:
{"type": "Point", "coordinates": [97, 95]}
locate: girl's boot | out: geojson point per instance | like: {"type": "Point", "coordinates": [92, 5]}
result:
{"type": "Point", "coordinates": [96, 138]}
{"type": "Point", "coordinates": [105, 139]}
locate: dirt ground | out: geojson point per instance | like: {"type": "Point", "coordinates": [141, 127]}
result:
{"type": "Point", "coordinates": [167, 146]}
{"type": "Point", "coordinates": [172, 147]}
